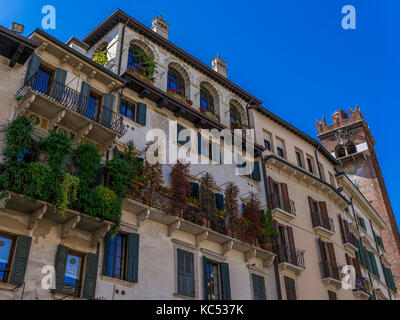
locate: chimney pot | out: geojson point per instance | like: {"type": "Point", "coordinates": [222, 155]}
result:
{"type": "Point", "coordinates": [219, 66]}
{"type": "Point", "coordinates": [160, 26]}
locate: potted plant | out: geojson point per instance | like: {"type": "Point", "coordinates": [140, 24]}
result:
{"type": "Point", "coordinates": [167, 192]}
{"type": "Point", "coordinates": [221, 213]}
{"type": "Point", "coordinates": [269, 234]}
{"type": "Point", "coordinates": [193, 202]}
{"type": "Point", "coordinates": [181, 186]}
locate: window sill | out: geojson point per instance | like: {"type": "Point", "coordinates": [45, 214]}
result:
{"type": "Point", "coordinates": [6, 286]}
{"type": "Point", "coordinates": [118, 281]}
{"type": "Point", "coordinates": [131, 122]}
{"type": "Point", "coordinates": [177, 295]}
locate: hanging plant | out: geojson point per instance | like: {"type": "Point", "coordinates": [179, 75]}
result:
{"type": "Point", "coordinates": [207, 195]}
{"type": "Point", "coordinates": [252, 213]}
{"type": "Point", "coordinates": [153, 173]}
{"type": "Point", "coordinates": [118, 171]}
{"type": "Point", "coordinates": [67, 194]}
{"type": "Point", "coordinates": [180, 182]}
{"type": "Point", "coordinates": [100, 57]}
{"type": "Point", "coordinates": [231, 201]}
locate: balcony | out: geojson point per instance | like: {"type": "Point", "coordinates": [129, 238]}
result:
{"type": "Point", "coordinates": [202, 225]}
{"type": "Point", "coordinates": [290, 258]}
{"type": "Point", "coordinates": [349, 241]}
{"type": "Point", "coordinates": [322, 225]}
{"type": "Point", "coordinates": [63, 106]}
{"type": "Point", "coordinates": [282, 208]}
{"type": "Point", "coordinates": [362, 289]}
{"type": "Point", "coordinates": [330, 273]}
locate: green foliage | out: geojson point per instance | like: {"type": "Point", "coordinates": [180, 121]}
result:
{"type": "Point", "coordinates": [118, 171]}
{"type": "Point", "coordinates": [67, 193]}
{"type": "Point", "coordinates": [104, 203]}
{"type": "Point", "coordinates": [37, 182]}
{"type": "Point", "coordinates": [267, 223]}
{"type": "Point", "coordinates": [148, 63]}
{"type": "Point", "coordinates": [87, 161]}
{"type": "Point", "coordinates": [100, 57]}
{"type": "Point", "coordinates": [58, 146]}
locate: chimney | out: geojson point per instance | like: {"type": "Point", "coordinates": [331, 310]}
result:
{"type": "Point", "coordinates": [219, 66]}
{"type": "Point", "coordinates": [160, 26]}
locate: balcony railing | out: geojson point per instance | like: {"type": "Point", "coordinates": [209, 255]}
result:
{"type": "Point", "coordinates": [291, 255]}
{"type": "Point", "coordinates": [330, 270]}
{"type": "Point", "coordinates": [75, 101]}
{"type": "Point", "coordinates": [277, 201]}
{"type": "Point", "coordinates": [348, 237]}
{"type": "Point", "coordinates": [318, 220]}
{"type": "Point", "coordinates": [169, 206]}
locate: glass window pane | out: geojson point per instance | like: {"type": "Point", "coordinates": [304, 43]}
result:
{"type": "Point", "coordinates": [5, 248]}
{"type": "Point", "coordinates": [73, 270]}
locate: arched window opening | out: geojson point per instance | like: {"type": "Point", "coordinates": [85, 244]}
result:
{"type": "Point", "coordinates": [351, 148]}
{"type": "Point", "coordinates": [135, 58]}
{"type": "Point", "coordinates": [236, 119]}
{"type": "Point", "coordinates": [206, 100]}
{"type": "Point", "coordinates": [340, 152]}
{"type": "Point", "coordinates": [175, 82]}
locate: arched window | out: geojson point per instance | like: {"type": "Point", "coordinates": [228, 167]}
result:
{"type": "Point", "coordinates": [236, 119]}
{"type": "Point", "coordinates": [206, 100]}
{"type": "Point", "coordinates": [351, 148]}
{"type": "Point", "coordinates": [340, 152]}
{"type": "Point", "coordinates": [175, 82]}
{"type": "Point", "coordinates": [135, 57]}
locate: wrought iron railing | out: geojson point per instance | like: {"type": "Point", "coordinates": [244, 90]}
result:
{"type": "Point", "coordinates": [329, 270]}
{"type": "Point", "coordinates": [277, 201]}
{"type": "Point", "coordinates": [291, 255]}
{"type": "Point", "coordinates": [362, 284]}
{"type": "Point", "coordinates": [348, 237]}
{"type": "Point", "coordinates": [169, 206]}
{"type": "Point", "coordinates": [319, 220]}
{"type": "Point", "coordinates": [75, 101]}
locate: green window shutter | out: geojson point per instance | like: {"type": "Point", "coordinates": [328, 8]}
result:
{"type": "Point", "coordinates": [59, 84]}
{"type": "Point", "coordinates": [89, 287]}
{"type": "Point", "coordinates": [374, 267]}
{"type": "Point", "coordinates": [141, 113]}
{"type": "Point", "coordinates": [83, 106]}
{"type": "Point", "coordinates": [195, 190]}
{"type": "Point", "coordinates": [107, 110]}
{"type": "Point", "coordinates": [33, 67]}
{"type": "Point", "coordinates": [198, 143]}
{"type": "Point", "coordinates": [362, 223]}
{"type": "Point", "coordinates": [380, 242]}
{"type": "Point", "coordinates": [60, 266]}
{"type": "Point", "coordinates": [360, 253]}
{"type": "Point", "coordinates": [20, 262]}
{"type": "Point", "coordinates": [258, 287]}
{"type": "Point", "coordinates": [225, 281]}
{"type": "Point", "coordinates": [185, 273]}
{"type": "Point", "coordinates": [391, 280]}
{"type": "Point", "coordinates": [205, 280]}
{"type": "Point", "coordinates": [219, 201]}
{"type": "Point", "coordinates": [133, 257]}
{"type": "Point", "coordinates": [106, 255]}
{"type": "Point", "coordinates": [256, 174]}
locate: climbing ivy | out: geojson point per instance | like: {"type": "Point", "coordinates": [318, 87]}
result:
{"type": "Point", "coordinates": [118, 171]}
{"type": "Point", "coordinates": [67, 193]}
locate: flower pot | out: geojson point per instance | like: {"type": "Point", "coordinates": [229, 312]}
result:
{"type": "Point", "coordinates": [192, 205]}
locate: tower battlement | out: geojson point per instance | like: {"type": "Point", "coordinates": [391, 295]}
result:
{"type": "Point", "coordinates": [339, 119]}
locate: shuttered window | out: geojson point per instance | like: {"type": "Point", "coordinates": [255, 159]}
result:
{"type": "Point", "coordinates": [290, 288]}
{"type": "Point", "coordinates": [20, 260]}
{"type": "Point", "coordinates": [258, 287]}
{"type": "Point", "coordinates": [362, 223]}
{"type": "Point", "coordinates": [128, 110]}
{"type": "Point", "coordinates": [185, 273]}
{"type": "Point", "coordinates": [216, 280]}
{"type": "Point", "coordinates": [7, 244]}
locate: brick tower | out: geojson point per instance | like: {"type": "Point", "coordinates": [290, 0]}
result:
{"type": "Point", "coordinates": [350, 140]}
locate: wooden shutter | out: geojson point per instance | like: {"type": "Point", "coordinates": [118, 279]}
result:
{"type": "Point", "coordinates": [292, 247]}
{"type": "Point", "coordinates": [89, 287]}
{"type": "Point", "coordinates": [342, 228]}
{"type": "Point", "coordinates": [58, 88]}
{"type": "Point", "coordinates": [225, 281]}
{"type": "Point", "coordinates": [141, 113]}
{"type": "Point", "coordinates": [219, 201]}
{"type": "Point", "coordinates": [314, 219]}
{"type": "Point", "coordinates": [285, 195]}
{"type": "Point", "coordinates": [33, 67]}
{"type": "Point", "coordinates": [258, 287]}
{"type": "Point", "coordinates": [346, 229]}
{"type": "Point", "coordinates": [133, 257]}
{"type": "Point", "coordinates": [106, 255]}
{"type": "Point", "coordinates": [256, 174]}
{"type": "Point", "coordinates": [20, 262]}
{"type": "Point", "coordinates": [324, 213]}
{"type": "Point", "coordinates": [272, 196]}
{"type": "Point", "coordinates": [60, 266]}
{"type": "Point", "coordinates": [290, 288]}
{"type": "Point", "coordinates": [83, 107]}
{"type": "Point", "coordinates": [107, 110]}
{"type": "Point", "coordinates": [205, 280]}
{"type": "Point", "coordinates": [335, 270]}
{"type": "Point", "coordinates": [356, 264]}
{"type": "Point", "coordinates": [278, 242]}
{"type": "Point", "coordinates": [185, 273]}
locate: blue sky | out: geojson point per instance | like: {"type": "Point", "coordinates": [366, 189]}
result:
{"type": "Point", "coordinates": [293, 55]}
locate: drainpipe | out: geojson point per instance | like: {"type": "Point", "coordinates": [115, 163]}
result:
{"type": "Point", "coordinates": [276, 269]}
{"type": "Point", "coordinates": [122, 45]}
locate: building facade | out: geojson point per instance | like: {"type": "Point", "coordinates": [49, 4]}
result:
{"type": "Point", "coordinates": [213, 241]}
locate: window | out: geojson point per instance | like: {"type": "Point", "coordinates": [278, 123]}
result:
{"type": "Point", "coordinates": [216, 280]}
{"type": "Point", "coordinates": [290, 287]}
{"type": "Point", "coordinates": [73, 274]}
{"type": "Point", "coordinates": [332, 295]}
{"type": "Point", "coordinates": [213, 281]}
{"type": "Point", "coordinates": [340, 151]}
{"type": "Point", "coordinates": [236, 119]}
{"type": "Point", "coordinates": [351, 148]}
{"type": "Point", "coordinates": [332, 179]}
{"type": "Point", "coordinates": [7, 244]}
{"type": "Point", "coordinates": [43, 80]}
{"type": "Point", "coordinates": [310, 165]}
{"type": "Point", "coordinates": [206, 100]}
{"type": "Point", "coordinates": [135, 58]}
{"type": "Point", "coordinates": [185, 273]}
{"type": "Point", "coordinates": [175, 82]}
{"type": "Point", "coordinates": [321, 168]}
{"type": "Point", "coordinates": [117, 261]}
{"type": "Point", "coordinates": [299, 158]}
{"type": "Point", "coordinates": [128, 110]}
{"type": "Point", "coordinates": [280, 148]}
{"type": "Point", "coordinates": [267, 141]}
{"type": "Point", "coordinates": [258, 287]}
